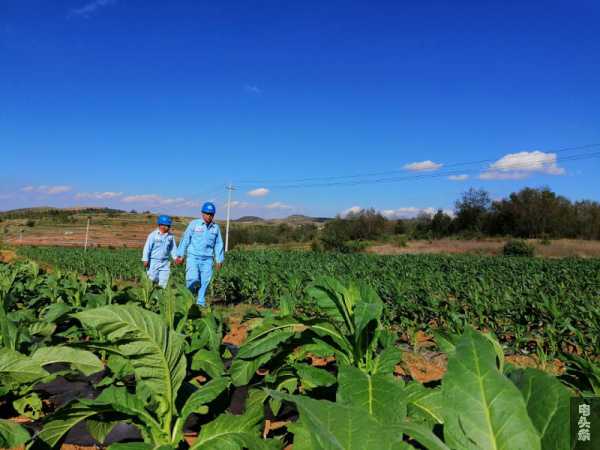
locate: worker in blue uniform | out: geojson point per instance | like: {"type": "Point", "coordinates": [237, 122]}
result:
{"type": "Point", "coordinates": [201, 240]}
{"type": "Point", "coordinates": [159, 245]}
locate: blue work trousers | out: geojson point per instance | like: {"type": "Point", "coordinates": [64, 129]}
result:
{"type": "Point", "coordinates": [159, 271]}
{"type": "Point", "coordinates": [199, 271]}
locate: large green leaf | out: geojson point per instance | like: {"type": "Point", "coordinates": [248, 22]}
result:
{"type": "Point", "coordinates": [229, 432]}
{"type": "Point", "coordinates": [302, 437]}
{"type": "Point", "coordinates": [12, 435]}
{"type": "Point", "coordinates": [209, 362]}
{"type": "Point", "coordinates": [56, 312]}
{"type": "Point", "coordinates": [99, 429]}
{"type": "Point", "coordinates": [445, 341]}
{"type": "Point", "coordinates": [424, 404]}
{"type": "Point", "coordinates": [205, 394]}
{"type": "Point", "coordinates": [208, 332]}
{"type": "Point", "coordinates": [242, 370]}
{"type": "Point", "coordinates": [386, 361]}
{"type": "Point", "coordinates": [81, 360]}
{"type": "Point", "coordinates": [482, 408]}
{"type": "Point", "coordinates": [130, 404]}
{"type": "Point", "coordinates": [379, 395]}
{"type": "Point", "coordinates": [58, 424]}
{"type": "Point", "coordinates": [18, 368]}
{"type": "Point", "coordinates": [253, 347]}
{"type": "Point", "coordinates": [29, 406]}
{"type": "Point", "coordinates": [365, 313]}
{"type": "Point", "coordinates": [328, 292]}
{"type": "Point", "coordinates": [8, 331]}
{"type": "Point", "coordinates": [367, 293]}
{"type": "Point", "coordinates": [42, 328]}
{"type": "Point", "coordinates": [333, 426]}
{"type": "Point", "coordinates": [547, 401]}
{"type": "Point", "coordinates": [312, 377]}
{"type": "Point", "coordinates": [287, 305]}
{"type": "Point", "coordinates": [155, 351]}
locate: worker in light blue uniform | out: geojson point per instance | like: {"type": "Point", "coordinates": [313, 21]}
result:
{"type": "Point", "coordinates": [201, 240]}
{"type": "Point", "coordinates": [155, 257]}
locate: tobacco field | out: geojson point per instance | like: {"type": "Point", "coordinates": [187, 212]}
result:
{"type": "Point", "coordinates": [139, 367]}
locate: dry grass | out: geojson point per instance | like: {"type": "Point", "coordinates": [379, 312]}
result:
{"type": "Point", "coordinates": [562, 248]}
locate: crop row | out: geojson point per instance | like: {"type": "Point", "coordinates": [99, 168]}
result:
{"type": "Point", "coordinates": [149, 359]}
{"type": "Point", "coordinates": [531, 305]}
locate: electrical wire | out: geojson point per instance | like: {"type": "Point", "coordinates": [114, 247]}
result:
{"type": "Point", "coordinates": [407, 170]}
{"type": "Point", "coordinates": [185, 203]}
{"type": "Point", "coordinates": [514, 167]}
{"type": "Point", "coordinates": [186, 200]}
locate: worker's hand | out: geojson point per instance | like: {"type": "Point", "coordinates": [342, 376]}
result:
{"type": "Point", "coordinates": [145, 263]}
{"type": "Point", "coordinates": [179, 260]}
{"type": "Point", "coordinates": [219, 265]}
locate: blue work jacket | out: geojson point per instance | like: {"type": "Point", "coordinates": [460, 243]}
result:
{"type": "Point", "coordinates": [159, 246]}
{"type": "Point", "coordinates": [201, 241]}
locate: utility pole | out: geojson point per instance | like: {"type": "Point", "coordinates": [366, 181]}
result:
{"type": "Point", "coordinates": [230, 188]}
{"type": "Point", "coordinates": [87, 232]}
{"type": "Point", "coordinates": [20, 236]}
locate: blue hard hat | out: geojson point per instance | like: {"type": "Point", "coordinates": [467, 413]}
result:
{"type": "Point", "coordinates": [164, 220]}
{"type": "Point", "coordinates": [209, 208]}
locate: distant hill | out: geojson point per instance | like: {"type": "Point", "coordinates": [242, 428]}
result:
{"type": "Point", "coordinates": [301, 218]}
{"type": "Point", "coordinates": [43, 211]}
{"type": "Point", "coordinates": [36, 209]}
{"type": "Point", "coordinates": [249, 219]}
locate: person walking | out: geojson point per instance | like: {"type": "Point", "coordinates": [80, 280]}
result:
{"type": "Point", "coordinates": [202, 239]}
{"type": "Point", "coordinates": [155, 257]}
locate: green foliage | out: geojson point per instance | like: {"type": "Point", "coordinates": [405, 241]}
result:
{"type": "Point", "coordinates": [483, 409]}
{"type": "Point", "coordinates": [518, 248]}
{"type": "Point", "coordinates": [156, 354]}
{"type": "Point", "coordinates": [533, 299]}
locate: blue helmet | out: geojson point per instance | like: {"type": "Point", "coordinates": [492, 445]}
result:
{"type": "Point", "coordinates": [209, 208]}
{"type": "Point", "coordinates": [164, 220]}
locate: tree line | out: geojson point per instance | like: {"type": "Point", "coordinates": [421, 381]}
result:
{"type": "Point", "coordinates": [529, 213]}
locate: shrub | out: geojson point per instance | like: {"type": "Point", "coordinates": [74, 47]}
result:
{"type": "Point", "coordinates": [30, 223]}
{"type": "Point", "coordinates": [354, 246]}
{"type": "Point", "coordinates": [400, 241]}
{"type": "Point", "coordinates": [316, 246]}
{"type": "Point", "coordinates": [517, 248]}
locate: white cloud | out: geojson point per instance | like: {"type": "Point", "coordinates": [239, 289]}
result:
{"type": "Point", "coordinates": [503, 176]}
{"type": "Point", "coordinates": [260, 192]}
{"type": "Point", "coordinates": [152, 199]}
{"type": "Point", "coordinates": [5, 196]}
{"type": "Point", "coordinates": [59, 189]}
{"type": "Point", "coordinates": [458, 177]}
{"type": "Point", "coordinates": [409, 212]}
{"type": "Point", "coordinates": [517, 166]}
{"type": "Point", "coordinates": [49, 190]}
{"type": "Point", "coordinates": [98, 195]}
{"type": "Point", "coordinates": [353, 209]}
{"type": "Point", "coordinates": [279, 205]}
{"type": "Point", "coordinates": [27, 189]}
{"type": "Point", "coordinates": [144, 198]}
{"type": "Point", "coordinates": [423, 166]}
{"type": "Point", "coordinates": [252, 88]}
{"type": "Point", "coordinates": [86, 10]}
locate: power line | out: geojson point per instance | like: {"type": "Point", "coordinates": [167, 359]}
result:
{"type": "Point", "coordinates": [406, 170]}
{"type": "Point", "coordinates": [184, 201]}
{"type": "Point", "coordinates": [424, 176]}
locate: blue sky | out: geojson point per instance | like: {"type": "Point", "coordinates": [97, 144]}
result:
{"type": "Point", "coordinates": [146, 104]}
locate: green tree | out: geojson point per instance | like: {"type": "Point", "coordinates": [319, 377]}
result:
{"type": "Point", "coordinates": [472, 210]}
